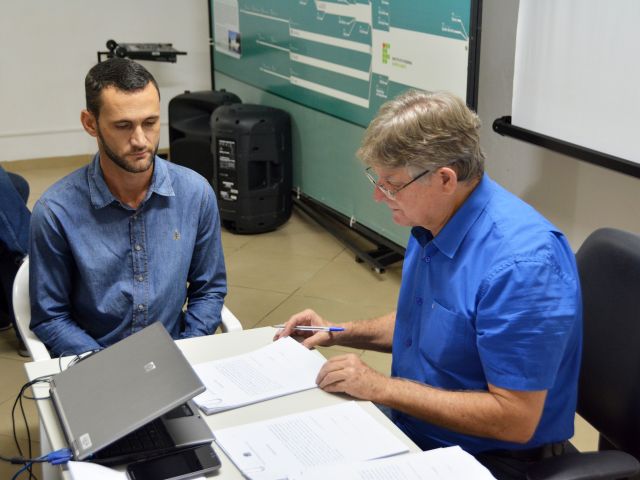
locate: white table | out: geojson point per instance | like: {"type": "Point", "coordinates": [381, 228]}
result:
{"type": "Point", "coordinates": [202, 349]}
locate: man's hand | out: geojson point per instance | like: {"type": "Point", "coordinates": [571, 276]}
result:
{"type": "Point", "coordinates": [310, 339]}
{"type": "Point", "coordinates": [349, 374]}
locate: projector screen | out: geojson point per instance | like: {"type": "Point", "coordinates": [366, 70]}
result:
{"type": "Point", "coordinates": [577, 74]}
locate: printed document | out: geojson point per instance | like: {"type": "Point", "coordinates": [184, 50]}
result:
{"type": "Point", "coordinates": [93, 471]}
{"type": "Point", "coordinates": [451, 463]}
{"type": "Point", "coordinates": [278, 369]}
{"type": "Point", "coordinates": [85, 470]}
{"type": "Point", "coordinates": [281, 447]}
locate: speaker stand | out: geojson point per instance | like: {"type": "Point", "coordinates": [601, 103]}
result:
{"type": "Point", "coordinates": [368, 246]}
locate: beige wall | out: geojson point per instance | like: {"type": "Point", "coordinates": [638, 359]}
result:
{"type": "Point", "coordinates": [577, 196]}
{"type": "Point", "coordinates": [47, 47]}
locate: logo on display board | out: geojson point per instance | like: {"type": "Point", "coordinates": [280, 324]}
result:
{"type": "Point", "coordinates": [385, 52]}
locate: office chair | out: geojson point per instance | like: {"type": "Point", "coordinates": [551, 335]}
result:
{"type": "Point", "coordinates": [37, 349]}
{"type": "Point", "coordinates": [609, 385]}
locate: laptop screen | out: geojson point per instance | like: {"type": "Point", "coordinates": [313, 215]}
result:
{"type": "Point", "coordinates": [121, 388]}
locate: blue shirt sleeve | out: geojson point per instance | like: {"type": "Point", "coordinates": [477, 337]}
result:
{"type": "Point", "coordinates": [527, 310]}
{"type": "Point", "coordinates": [49, 288]}
{"type": "Point", "coordinates": [207, 274]}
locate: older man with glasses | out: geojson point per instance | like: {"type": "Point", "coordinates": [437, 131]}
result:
{"type": "Point", "coordinates": [486, 337]}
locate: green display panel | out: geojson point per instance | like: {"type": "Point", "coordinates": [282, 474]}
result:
{"type": "Point", "coordinates": [331, 64]}
{"type": "Point", "coordinates": [346, 57]}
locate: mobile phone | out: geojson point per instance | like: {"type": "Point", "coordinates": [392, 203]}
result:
{"type": "Point", "coordinates": [180, 465]}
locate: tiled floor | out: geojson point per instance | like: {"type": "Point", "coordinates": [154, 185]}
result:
{"type": "Point", "coordinates": [270, 277]}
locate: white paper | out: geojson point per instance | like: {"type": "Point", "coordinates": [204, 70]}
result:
{"type": "Point", "coordinates": [450, 463]}
{"type": "Point", "coordinates": [280, 447]}
{"type": "Point", "coordinates": [93, 471]}
{"type": "Point", "coordinates": [278, 369]}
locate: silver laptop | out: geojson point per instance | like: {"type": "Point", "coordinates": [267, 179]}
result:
{"type": "Point", "coordinates": [121, 391]}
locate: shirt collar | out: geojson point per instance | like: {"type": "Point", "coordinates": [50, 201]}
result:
{"type": "Point", "coordinates": [101, 196]}
{"type": "Point", "coordinates": [450, 237]}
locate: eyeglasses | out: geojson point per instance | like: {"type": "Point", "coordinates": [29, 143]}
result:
{"type": "Point", "coordinates": [390, 194]}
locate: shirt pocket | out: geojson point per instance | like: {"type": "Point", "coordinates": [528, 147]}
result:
{"type": "Point", "coordinates": [445, 338]}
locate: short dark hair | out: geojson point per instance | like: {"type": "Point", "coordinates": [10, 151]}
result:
{"type": "Point", "coordinates": [121, 73]}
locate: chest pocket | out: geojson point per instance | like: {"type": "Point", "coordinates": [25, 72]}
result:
{"type": "Point", "coordinates": [446, 339]}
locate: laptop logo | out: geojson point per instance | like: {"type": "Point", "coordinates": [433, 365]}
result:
{"type": "Point", "coordinates": [149, 367]}
{"type": "Point", "coordinates": [85, 441]}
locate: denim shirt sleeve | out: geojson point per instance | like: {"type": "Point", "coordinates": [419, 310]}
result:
{"type": "Point", "coordinates": [49, 288]}
{"type": "Point", "coordinates": [207, 274]}
{"type": "Point", "coordinates": [14, 217]}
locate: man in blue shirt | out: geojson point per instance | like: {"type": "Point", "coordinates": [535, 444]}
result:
{"type": "Point", "coordinates": [486, 338]}
{"type": "Point", "coordinates": [124, 241]}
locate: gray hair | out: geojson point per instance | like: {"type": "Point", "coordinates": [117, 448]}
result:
{"type": "Point", "coordinates": [425, 131]}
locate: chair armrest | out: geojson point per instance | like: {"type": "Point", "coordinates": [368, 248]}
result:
{"type": "Point", "coordinates": [37, 349]}
{"type": "Point", "coordinates": [22, 312]}
{"type": "Point", "coordinates": [229, 321]}
{"type": "Point", "coordinates": [603, 465]}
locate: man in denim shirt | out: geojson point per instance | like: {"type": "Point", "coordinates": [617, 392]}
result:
{"type": "Point", "coordinates": [124, 241]}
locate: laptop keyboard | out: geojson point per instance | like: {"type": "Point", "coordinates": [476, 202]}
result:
{"type": "Point", "coordinates": [152, 437]}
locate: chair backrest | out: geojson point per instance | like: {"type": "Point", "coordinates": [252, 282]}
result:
{"type": "Point", "coordinates": [609, 388]}
{"type": "Point", "coordinates": [22, 312]}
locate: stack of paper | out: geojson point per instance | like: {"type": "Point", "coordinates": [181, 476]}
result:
{"type": "Point", "coordinates": [86, 470]}
{"type": "Point", "coordinates": [278, 369]}
{"type": "Point", "coordinates": [450, 463]}
{"type": "Point", "coordinates": [284, 446]}
{"type": "Point", "coordinates": [93, 471]}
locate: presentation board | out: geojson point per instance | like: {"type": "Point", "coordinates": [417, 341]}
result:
{"type": "Point", "coordinates": [344, 57]}
{"type": "Point", "coordinates": [331, 65]}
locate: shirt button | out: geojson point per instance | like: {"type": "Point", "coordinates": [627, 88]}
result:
{"type": "Point", "coordinates": [419, 300]}
{"type": "Point", "coordinates": [140, 307]}
{"type": "Point", "coordinates": [427, 259]}
{"type": "Point", "coordinates": [138, 247]}
{"type": "Point", "coordinates": [408, 342]}
{"type": "Point", "coordinates": [140, 278]}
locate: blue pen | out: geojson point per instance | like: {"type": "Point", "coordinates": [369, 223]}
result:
{"type": "Point", "coordinates": [309, 328]}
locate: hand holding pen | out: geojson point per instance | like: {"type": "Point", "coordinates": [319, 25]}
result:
{"type": "Point", "coordinates": [309, 325]}
{"type": "Point", "coordinates": [310, 328]}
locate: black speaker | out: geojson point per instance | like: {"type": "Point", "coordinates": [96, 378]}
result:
{"type": "Point", "coordinates": [252, 177]}
{"type": "Point", "coordinates": [189, 130]}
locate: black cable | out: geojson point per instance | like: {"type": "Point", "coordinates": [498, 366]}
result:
{"type": "Point", "coordinates": [76, 359]}
{"type": "Point", "coordinates": [27, 462]}
{"type": "Point", "coordinates": [56, 457]}
{"type": "Point", "coordinates": [22, 460]}
{"type": "Point", "coordinates": [43, 379]}
{"type": "Point", "coordinates": [28, 466]}
{"type": "Point", "coordinates": [60, 360]}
